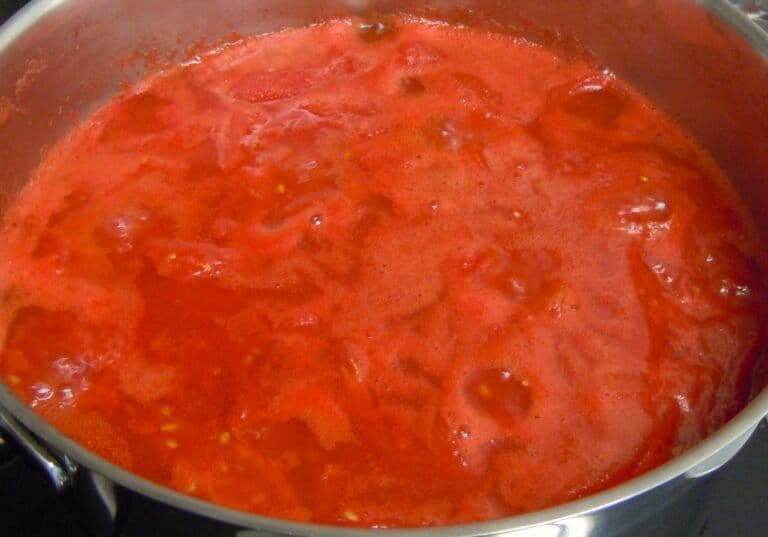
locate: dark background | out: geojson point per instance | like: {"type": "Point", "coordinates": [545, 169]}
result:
{"type": "Point", "coordinates": [738, 506]}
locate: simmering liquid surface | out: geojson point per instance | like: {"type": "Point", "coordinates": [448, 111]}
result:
{"type": "Point", "coordinates": [381, 274]}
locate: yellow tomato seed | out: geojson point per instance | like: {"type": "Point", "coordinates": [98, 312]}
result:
{"type": "Point", "coordinates": [171, 444]}
{"type": "Point", "coordinates": [169, 427]}
{"type": "Point", "coordinates": [484, 390]}
{"type": "Point", "coordinates": [13, 379]}
{"type": "Point", "coordinates": [280, 188]}
{"type": "Point", "coordinates": [224, 437]}
{"type": "Point", "coordinates": [166, 410]}
{"type": "Point", "coordinates": [351, 515]}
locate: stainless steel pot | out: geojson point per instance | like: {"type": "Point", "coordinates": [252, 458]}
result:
{"type": "Point", "coordinates": [703, 61]}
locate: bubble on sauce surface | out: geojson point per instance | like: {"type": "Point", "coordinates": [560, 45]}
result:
{"type": "Point", "coordinates": [596, 102]}
{"type": "Point", "coordinates": [55, 389]}
{"type": "Point", "coordinates": [579, 120]}
{"type": "Point", "coordinates": [642, 211]}
{"type": "Point", "coordinates": [525, 275]}
{"type": "Point", "coordinates": [450, 136]}
{"type": "Point", "coordinates": [40, 392]}
{"type": "Point", "coordinates": [639, 205]}
{"type": "Point", "coordinates": [733, 278]}
{"type": "Point", "coordinates": [372, 30]}
{"type": "Point", "coordinates": [663, 273]}
{"type": "Point", "coordinates": [456, 134]}
{"type": "Point", "coordinates": [473, 92]}
{"type": "Point", "coordinates": [418, 54]}
{"type": "Point", "coordinates": [522, 277]}
{"type": "Point", "coordinates": [298, 172]}
{"type": "Point", "coordinates": [69, 368]}
{"type": "Point", "coordinates": [412, 86]}
{"type": "Point", "coordinates": [500, 394]}
{"type": "Point", "coordinates": [119, 231]}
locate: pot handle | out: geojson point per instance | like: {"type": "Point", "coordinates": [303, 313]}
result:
{"type": "Point", "coordinates": [90, 499]}
{"type": "Point", "coordinates": [57, 472]}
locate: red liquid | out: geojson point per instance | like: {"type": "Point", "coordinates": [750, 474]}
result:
{"type": "Point", "coordinates": [421, 276]}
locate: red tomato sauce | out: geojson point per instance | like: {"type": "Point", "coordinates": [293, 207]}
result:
{"type": "Point", "coordinates": [382, 275]}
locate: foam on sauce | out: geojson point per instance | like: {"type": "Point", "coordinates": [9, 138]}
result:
{"type": "Point", "coordinates": [381, 274]}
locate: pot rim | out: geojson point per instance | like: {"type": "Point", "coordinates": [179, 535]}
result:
{"type": "Point", "coordinates": [738, 427]}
